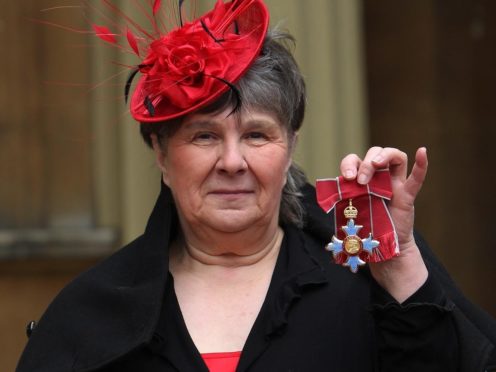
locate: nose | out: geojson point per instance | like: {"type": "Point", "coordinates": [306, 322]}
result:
{"type": "Point", "coordinates": [231, 158]}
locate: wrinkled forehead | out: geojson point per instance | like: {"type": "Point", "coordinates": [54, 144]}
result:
{"type": "Point", "coordinates": [245, 116]}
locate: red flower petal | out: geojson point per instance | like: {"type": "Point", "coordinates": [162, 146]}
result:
{"type": "Point", "coordinates": [104, 33]}
{"type": "Point", "coordinates": [132, 41]}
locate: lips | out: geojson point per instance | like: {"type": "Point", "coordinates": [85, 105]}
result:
{"type": "Point", "coordinates": [230, 192]}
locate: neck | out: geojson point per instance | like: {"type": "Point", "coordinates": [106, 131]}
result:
{"type": "Point", "coordinates": [231, 251]}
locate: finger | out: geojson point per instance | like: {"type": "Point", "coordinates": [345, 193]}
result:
{"type": "Point", "coordinates": [395, 160]}
{"type": "Point", "coordinates": [367, 168]}
{"type": "Point", "coordinates": [398, 164]}
{"type": "Point", "coordinates": [416, 178]}
{"type": "Point", "coordinates": [349, 166]}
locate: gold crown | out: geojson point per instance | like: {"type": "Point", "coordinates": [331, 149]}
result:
{"type": "Point", "coordinates": [350, 211]}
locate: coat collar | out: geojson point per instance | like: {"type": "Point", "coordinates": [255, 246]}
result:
{"type": "Point", "coordinates": [295, 273]}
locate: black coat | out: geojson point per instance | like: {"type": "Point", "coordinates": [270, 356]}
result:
{"type": "Point", "coordinates": [122, 315]}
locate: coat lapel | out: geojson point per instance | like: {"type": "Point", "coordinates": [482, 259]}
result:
{"type": "Point", "coordinates": [295, 273]}
{"type": "Point", "coordinates": [111, 309]}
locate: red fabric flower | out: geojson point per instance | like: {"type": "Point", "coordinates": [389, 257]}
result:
{"type": "Point", "coordinates": [180, 66]}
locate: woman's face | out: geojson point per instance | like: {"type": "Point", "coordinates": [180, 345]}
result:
{"type": "Point", "coordinates": [227, 172]}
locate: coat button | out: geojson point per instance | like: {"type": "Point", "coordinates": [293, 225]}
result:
{"type": "Point", "coordinates": [30, 328]}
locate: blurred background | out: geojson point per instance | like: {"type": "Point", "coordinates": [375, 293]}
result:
{"type": "Point", "coordinates": [76, 183]}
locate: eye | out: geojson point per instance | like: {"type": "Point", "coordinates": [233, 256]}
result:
{"type": "Point", "coordinates": [257, 137]}
{"type": "Point", "coordinates": [204, 137]}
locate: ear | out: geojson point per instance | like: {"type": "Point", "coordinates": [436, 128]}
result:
{"type": "Point", "coordinates": [160, 157]}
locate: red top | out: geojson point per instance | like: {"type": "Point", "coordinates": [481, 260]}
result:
{"type": "Point", "coordinates": [222, 362]}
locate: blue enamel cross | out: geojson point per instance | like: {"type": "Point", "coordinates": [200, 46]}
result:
{"type": "Point", "coordinates": [352, 245]}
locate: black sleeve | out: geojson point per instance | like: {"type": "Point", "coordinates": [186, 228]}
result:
{"type": "Point", "coordinates": [436, 329]}
{"type": "Point", "coordinates": [475, 329]}
{"type": "Point", "coordinates": [417, 335]}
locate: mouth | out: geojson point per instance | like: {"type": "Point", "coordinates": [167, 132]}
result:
{"type": "Point", "coordinates": [231, 192]}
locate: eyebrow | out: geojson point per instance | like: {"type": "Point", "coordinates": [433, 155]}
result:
{"type": "Point", "coordinates": [261, 124]}
{"type": "Point", "coordinates": [202, 123]}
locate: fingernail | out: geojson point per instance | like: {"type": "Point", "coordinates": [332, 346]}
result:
{"type": "Point", "coordinates": [349, 174]}
{"type": "Point", "coordinates": [363, 179]}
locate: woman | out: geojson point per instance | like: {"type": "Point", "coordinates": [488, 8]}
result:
{"type": "Point", "coordinates": [231, 272]}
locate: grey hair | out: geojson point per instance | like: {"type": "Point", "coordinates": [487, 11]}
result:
{"type": "Point", "coordinates": [272, 84]}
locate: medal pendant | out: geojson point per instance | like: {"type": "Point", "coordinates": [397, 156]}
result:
{"type": "Point", "coordinates": [355, 249]}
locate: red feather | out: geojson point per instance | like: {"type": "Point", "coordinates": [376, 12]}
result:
{"type": "Point", "coordinates": [104, 33]}
{"type": "Point", "coordinates": [132, 42]}
{"type": "Point", "coordinates": [156, 6]}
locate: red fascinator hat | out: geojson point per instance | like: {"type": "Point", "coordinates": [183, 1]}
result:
{"type": "Point", "coordinates": [192, 65]}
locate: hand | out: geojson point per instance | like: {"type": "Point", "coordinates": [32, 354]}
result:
{"type": "Point", "coordinates": [405, 274]}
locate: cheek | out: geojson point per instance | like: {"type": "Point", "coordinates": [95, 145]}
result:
{"type": "Point", "coordinates": [271, 169]}
{"type": "Point", "coordinates": [186, 168]}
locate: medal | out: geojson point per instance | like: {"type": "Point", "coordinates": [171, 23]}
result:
{"type": "Point", "coordinates": [345, 198]}
{"type": "Point", "coordinates": [352, 246]}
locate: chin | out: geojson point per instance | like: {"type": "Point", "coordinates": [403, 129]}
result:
{"type": "Point", "coordinates": [234, 221]}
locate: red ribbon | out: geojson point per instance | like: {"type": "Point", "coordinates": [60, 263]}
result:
{"type": "Point", "coordinates": [373, 214]}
